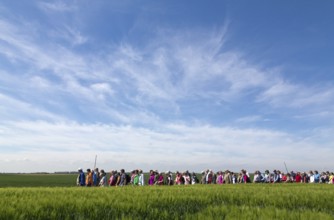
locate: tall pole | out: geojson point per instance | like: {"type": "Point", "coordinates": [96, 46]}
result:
{"type": "Point", "coordinates": [95, 162]}
{"type": "Point", "coordinates": [286, 168]}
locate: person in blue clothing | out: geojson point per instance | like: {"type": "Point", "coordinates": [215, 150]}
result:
{"type": "Point", "coordinates": [96, 177]}
{"type": "Point", "coordinates": [316, 176]}
{"type": "Point", "coordinates": [81, 178]}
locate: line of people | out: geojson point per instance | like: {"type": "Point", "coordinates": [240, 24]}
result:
{"type": "Point", "coordinates": [298, 177]}
{"type": "Point", "coordinates": [137, 177]}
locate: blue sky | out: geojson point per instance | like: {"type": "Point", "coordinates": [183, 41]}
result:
{"type": "Point", "coordinates": [167, 85]}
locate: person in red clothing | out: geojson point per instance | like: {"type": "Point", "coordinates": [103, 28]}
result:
{"type": "Point", "coordinates": [289, 179]}
{"type": "Point", "coordinates": [245, 176]}
{"type": "Point", "coordinates": [298, 178]}
{"type": "Point", "coordinates": [284, 177]}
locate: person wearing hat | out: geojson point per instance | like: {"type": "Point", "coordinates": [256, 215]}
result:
{"type": "Point", "coordinates": [81, 178]}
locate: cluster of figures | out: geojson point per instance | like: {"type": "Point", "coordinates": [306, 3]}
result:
{"type": "Point", "coordinates": [137, 178]}
{"type": "Point", "coordinates": [297, 177]}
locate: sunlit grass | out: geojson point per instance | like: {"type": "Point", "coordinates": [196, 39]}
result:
{"type": "Point", "coordinates": [252, 201]}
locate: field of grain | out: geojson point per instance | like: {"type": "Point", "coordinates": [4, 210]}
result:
{"type": "Point", "coordinates": [242, 201]}
{"type": "Point", "coordinates": [37, 180]}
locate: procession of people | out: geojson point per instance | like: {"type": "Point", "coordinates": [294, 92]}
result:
{"type": "Point", "coordinates": [136, 177]}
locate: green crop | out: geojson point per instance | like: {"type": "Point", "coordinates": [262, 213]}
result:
{"type": "Point", "coordinates": [241, 201]}
{"type": "Point", "coordinates": [37, 180]}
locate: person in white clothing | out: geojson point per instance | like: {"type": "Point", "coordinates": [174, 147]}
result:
{"type": "Point", "coordinates": [311, 176]}
{"type": "Point", "coordinates": [103, 179]}
{"type": "Point", "coordinates": [186, 178]}
{"type": "Point", "coordinates": [141, 178]}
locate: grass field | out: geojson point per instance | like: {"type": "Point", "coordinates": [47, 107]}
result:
{"type": "Point", "coordinates": [37, 180]}
{"type": "Point", "coordinates": [240, 201]}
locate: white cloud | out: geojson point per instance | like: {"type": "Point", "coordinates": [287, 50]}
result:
{"type": "Point", "coordinates": [316, 116]}
{"type": "Point", "coordinates": [288, 95]}
{"type": "Point", "coordinates": [56, 6]}
{"type": "Point", "coordinates": [184, 146]}
{"type": "Point", "coordinates": [102, 88]}
{"type": "Point", "coordinates": [169, 69]}
{"type": "Point", "coordinates": [71, 35]}
{"type": "Point", "coordinates": [183, 66]}
{"type": "Point", "coordinates": [14, 109]}
{"type": "Point", "coordinates": [41, 82]}
{"type": "Point", "coordinates": [131, 84]}
{"type": "Point", "coordinates": [250, 119]}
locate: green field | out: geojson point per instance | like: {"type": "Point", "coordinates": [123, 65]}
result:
{"type": "Point", "coordinates": [37, 180]}
{"type": "Point", "coordinates": [240, 201]}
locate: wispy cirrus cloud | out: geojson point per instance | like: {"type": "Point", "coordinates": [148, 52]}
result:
{"type": "Point", "coordinates": [285, 94]}
{"type": "Point", "coordinates": [70, 35]}
{"type": "Point", "coordinates": [148, 99]}
{"type": "Point", "coordinates": [57, 6]}
{"type": "Point", "coordinates": [171, 68]}
{"type": "Point", "coordinates": [13, 109]}
{"type": "Point", "coordinates": [182, 67]}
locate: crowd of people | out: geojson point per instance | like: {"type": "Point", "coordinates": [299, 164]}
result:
{"type": "Point", "coordinates": [136, 177]}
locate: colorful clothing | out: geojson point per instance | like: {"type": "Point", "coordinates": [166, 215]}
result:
{"type": "Point", "coordinates": [220, 179]}
{"type": "Point", "coordinates": [136, 180]}
{"type": "Point", "coordinates": [151, 179]}
{"type": "Point", "coordinates": [89, 179]}
{"type": "Point", "coordinates": [81, 179]}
